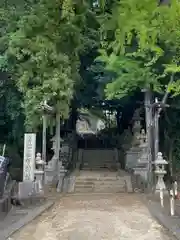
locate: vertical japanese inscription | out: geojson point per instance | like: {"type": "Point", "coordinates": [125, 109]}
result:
{"type": "Point", "coordinates": [29, 156]}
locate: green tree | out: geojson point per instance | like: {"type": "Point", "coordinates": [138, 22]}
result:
{"type": "Point", "coordinates": [142, 49]}
{"type": "Point", "coordinates": [43, 51]}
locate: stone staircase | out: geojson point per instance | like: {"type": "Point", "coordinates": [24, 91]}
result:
{"type": "Point", "coordinates": [97, 171]}
{"type": "Point", "coordinates": [93, 159]}
{"type": "Point", "coordinates": [101, 182]}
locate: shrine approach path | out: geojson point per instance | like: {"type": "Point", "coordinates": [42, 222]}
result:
{"type": "Point", "coordinates": [95, 217]}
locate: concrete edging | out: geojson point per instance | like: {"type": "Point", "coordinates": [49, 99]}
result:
{"type": "Point", "coordinates": [166, 221]}
{"type": "Point", "coordinates": [37, 211]}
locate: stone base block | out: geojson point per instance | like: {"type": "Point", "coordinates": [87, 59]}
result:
{"type": "Point", "coordinates": [143, 172]}
{"type": "Point", "coordinates": [29, 193]}
{"type": "Point", "coordinates": [32, 200]}
{"type": "Point", "coordinates": [132, 157]}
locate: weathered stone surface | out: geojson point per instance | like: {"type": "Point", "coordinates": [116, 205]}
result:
{"type": "Point", "coordinates": [25, 189]}
{"type": "Point", "coordinates": [19, 217]}
{"type": "Point", "coordinates": [71, 183]}
{"type": "Point", "coordinates": [132, 157]}
{"type": "Point", "coordinates": [30, 193]}
{"type": "Point", "coordinates": [91, 216]}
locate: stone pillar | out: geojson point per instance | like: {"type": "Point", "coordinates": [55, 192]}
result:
{"type": "Point", "coordinates": [141, 167]}
{"type": "Point", "coordinates": [32, 179]}
{"type": "Point", "coordinates": [61, 181]}
{"type": "Point", "coordinates": [51, 167]}
{"type": "Point", "coordinates": [29, 157]}
{"type": "Point", "coordinates": [65, 154]}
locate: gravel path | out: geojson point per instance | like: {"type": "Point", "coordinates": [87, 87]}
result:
{"type": "Point", "coordinates": [95, 217]}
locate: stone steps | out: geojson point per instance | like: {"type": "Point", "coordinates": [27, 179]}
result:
{"type": "Point", "coordinates": [99, 168]}
{"type": "Point", "coordinates": [98, 165]}
{"type": "Point", "coordinates": [98, 178]}
{"type": "Point", "coordinates": [100, 184]}
{"type": "Point", "coordinates": [95, 159]}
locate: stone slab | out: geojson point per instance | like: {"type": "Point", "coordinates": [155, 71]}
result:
{"type": "Point", "coordinates": [26, 216]}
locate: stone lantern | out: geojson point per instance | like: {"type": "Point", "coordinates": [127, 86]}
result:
{"type": "Point", "coordinates": [64, 155]}
{"type": "Point", "coordinates": [133, 153]}
{"type": "Point", "coordinates": [39, 162]}
{"type": "Point", "coordinates": [39, 171]}
{"type": "Point", "coordinates": [160, 171]}
{"type": "Point", "coordinates": [141, 167]}
{"type": "Point", "coordinates": [136, 128]}
{"type": "Point", "coordinates": [144, 148]}
{"type": "Point", "coordinates": [143, 139]}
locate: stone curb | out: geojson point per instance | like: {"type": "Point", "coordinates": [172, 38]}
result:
{"type": "Point", "coordinates": [166, 221]}
{"type": "Point", "coordinates": [9, 231]}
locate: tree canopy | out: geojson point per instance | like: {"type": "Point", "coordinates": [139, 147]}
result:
{"type": "Point", "coordinates": [141, 45]}
{"type": "Point", "coordinates": [42, 48]}
{"type": "Point", "coordinates": [84, 53]}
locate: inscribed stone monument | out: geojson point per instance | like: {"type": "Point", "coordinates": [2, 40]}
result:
{"type": "Point", "coordinates": [29, 156]}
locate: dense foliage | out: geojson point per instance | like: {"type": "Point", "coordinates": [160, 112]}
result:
{"type": "Point", "coordinates": [86, 53]}
{"type": "Point", "coordinates": [142, 49]}
{"type": "Point", "coordinates": [42, 51]}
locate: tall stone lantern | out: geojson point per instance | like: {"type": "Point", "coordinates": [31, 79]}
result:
{"type": "Point", "coordinates": [160, 171]}
{"type": "Point", "coordinates": [39, 172]}
{"type": "Point", "coordinates": [64, 157]}
{"type": "Point", "coordinates": [133, 153]}
{"type": "Point", "coordinates": [136, 128]}
{"type": "Point", "coordinates": [142, 165]}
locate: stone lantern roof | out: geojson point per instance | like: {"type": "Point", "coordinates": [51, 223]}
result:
{"type": "Point", "coordinates": [160, 160]}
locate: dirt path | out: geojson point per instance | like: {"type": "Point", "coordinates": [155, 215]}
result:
{"type": "Point", "coordinates": [95, 217]}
